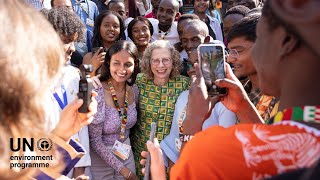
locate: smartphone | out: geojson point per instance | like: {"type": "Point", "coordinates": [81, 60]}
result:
{"type": "Point", "coordinates": [95, 49]}
{"type": "Point", "coordinates": [212, 62]}
{"type": "Point", "coordinates": [147, 166]}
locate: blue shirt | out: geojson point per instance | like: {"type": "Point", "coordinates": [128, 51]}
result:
{"type": "Point", "coordinates": [87, 11]}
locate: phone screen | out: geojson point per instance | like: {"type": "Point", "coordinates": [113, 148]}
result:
{"type": "Point", "coordinates": [212, 62]}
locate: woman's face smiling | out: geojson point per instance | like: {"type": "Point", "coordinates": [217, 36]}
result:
{"type": "Point", "coordinates": [161, 63]}
{"type": "Point", "coordinates": [141, 34]}
{"type": "Point", "coordinates": [121, 66]}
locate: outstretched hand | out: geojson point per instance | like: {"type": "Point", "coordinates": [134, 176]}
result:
{"type": "Point", "coordinates": [71, 121]}
{"type": "Point", "coordinates": [157, 169]}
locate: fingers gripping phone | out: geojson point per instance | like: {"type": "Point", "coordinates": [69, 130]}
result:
{"type": "Point", "coordinates": [147, 166]}
{"type": "Point", "coordinates": [212, 62]}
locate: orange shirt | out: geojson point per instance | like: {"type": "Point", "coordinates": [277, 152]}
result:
{"type": "Point", "coordinates": [248, 151]}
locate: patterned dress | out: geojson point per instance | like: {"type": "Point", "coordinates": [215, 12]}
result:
{"type": "Point", "coordinates": [156, 104]}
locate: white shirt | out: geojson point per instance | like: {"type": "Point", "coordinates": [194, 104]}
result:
{"type": "Point", "coordinates": [172, 36]}
{"type": "Point", "coordinates": [70, 80]}
{"type": "Point", "coordinates": [215, 26]}
{"type": "Point", "coordinates": [220, 115]}
{"type": "Point", "coordinates": [183, 55]}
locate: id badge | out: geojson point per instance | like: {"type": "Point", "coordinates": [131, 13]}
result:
{"type": "Point", "coordinates": [89, 22]}
{"type": "Point", "coordinates": [121, 150]}
{"type": "Point", "coordinates": [178, 144]}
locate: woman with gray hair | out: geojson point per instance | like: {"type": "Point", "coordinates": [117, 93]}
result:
{"type": "Point", "coordinates": [160, 84]}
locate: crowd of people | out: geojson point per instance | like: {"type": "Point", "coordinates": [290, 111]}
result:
{"type": "Point", "coordinates": [146, 69]}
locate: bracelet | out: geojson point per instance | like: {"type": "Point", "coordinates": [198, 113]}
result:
{"type": "Point", "coordinates": [128, 175]}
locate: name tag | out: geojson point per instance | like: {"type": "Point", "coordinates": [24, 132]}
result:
{"type": "Point", "coordinates": [89, 22]}
{"type": "Point", "coordinates": [121, 150]}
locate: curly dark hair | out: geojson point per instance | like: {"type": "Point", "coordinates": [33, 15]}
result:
{"type": "Point", "coordinates": [96, 39]}
{"type": "Point", "coordinates": [65, 22]}
{"type": "Point", "coordinates": [115, 48]}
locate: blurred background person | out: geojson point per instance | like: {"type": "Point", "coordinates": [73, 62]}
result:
{"type": "Point", "coordinates": [25, 93]}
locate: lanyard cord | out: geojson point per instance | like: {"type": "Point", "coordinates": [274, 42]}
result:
{"type": "Point", "coordinates": [65, 100]}
{"type": "Point", "coordinates": [87, 12]}
{"type": "Point", "coordinates": [123, 115]}
{"type": "Point", "coordinates": [165, 33]}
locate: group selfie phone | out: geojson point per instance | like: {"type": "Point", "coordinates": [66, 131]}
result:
{"type": "Point", "coordinates": [85, 87]}
{"type": "Point", "coordinates": [147, 166]}
{"type": "Point", "coordinates": [212, 63]}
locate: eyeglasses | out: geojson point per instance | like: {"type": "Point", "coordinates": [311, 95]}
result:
{"type": "Point", "coordinates": [165, 61]}
{"type": "Point", "coordinates": [233, 53]}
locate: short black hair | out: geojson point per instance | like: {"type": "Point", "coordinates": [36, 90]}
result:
{"type": "Point", "coordinates": [257, 10]}
{"type": "Point", "coordinates": [114, 1]}
{"type": "Point", "coordinates": [65, 22]}
{"type": "Point", "coordinates": [115, 48]}
{"type": "Point", "coordinates": [239, 9]}
{"type": "Point", "coordinates": [134, 21]}
{"type": "Point", "coordinates": [188, 16]}
{"type": "Point", "coordinates": [96, 39]}
{"type": "Point", "coordinates": [246, 28]}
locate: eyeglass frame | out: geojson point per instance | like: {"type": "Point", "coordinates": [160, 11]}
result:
{"type": "Point", "coordinates": [232, 53]}
{"type": "Point", "coordinates": [166, 63]}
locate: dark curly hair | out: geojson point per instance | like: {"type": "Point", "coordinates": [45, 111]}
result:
{"type": "Point", "coordinates": [65, 22]}
{"type": "Point", "coordinates": [97, 39]}
{"type": "Point", "coordinates": [114, 49]}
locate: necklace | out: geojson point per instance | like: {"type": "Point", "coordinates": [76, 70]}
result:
{"type": "Point", "coordinates": [122, 114]}
{"type": "Point", "coordinates": [162, 35]}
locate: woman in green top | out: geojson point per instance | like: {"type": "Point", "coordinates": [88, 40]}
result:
{"type": "Point", "coordinates": [160, 84]}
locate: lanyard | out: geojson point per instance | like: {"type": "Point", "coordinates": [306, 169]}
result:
{"type": "Point", "coordinates": [64, 94]}
{"type": "Point", "coordinates": [181, 120]}
{"type": "Point", "coordinates": [165, 34]}
{"type": "Point", "coordinates": [122, 115]}
{"type": "Point", "coordinates": [300, 113]}
{"type": "Point", "coordinates": [84, 9]}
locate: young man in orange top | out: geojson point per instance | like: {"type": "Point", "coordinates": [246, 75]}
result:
{"type": "Point", "coordinates": [286, 55]}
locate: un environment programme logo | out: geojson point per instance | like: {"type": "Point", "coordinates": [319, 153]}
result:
{"type": "Point", "coordinates": [29, 159]}
{"type": "Point", "coordinates": [44, 144]}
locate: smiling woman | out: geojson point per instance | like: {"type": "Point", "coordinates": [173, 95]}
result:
{"type": "Point", "coordinates": [108, 28]}
{"type": "Point", "coordinates": [140, 31]}
{"type": "Point", "coordinates": [160, 85]}
{"type": "Point", "coordinates": [117, 113]}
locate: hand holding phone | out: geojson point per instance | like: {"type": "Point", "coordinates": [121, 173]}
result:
{"type": "Point", "coordinates": [147, 166]}
{"type": "Point", "coordinates": [212, 63]}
